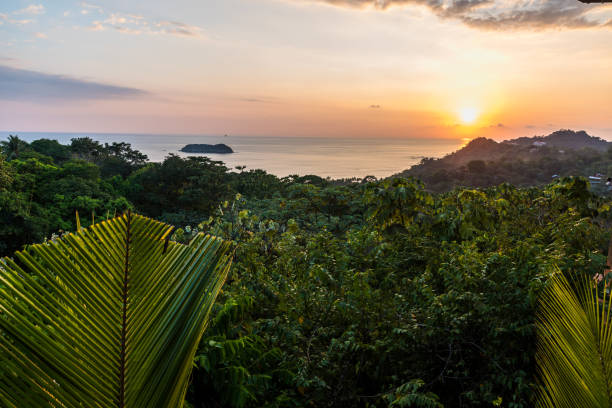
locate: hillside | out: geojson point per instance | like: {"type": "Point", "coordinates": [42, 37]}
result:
{"type": "Point", "coordinates": [524, 161]}
{"type": "Point", "coordinates": [564, 139]}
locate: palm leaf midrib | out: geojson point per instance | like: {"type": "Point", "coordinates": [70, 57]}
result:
{"type": "Point", "coordinates": [124, 300]}
{"type": "Point", "coordinates": [108, 317]}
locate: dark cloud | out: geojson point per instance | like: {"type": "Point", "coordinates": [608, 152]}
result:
{"type": "Point", "coordinates": [500, 14]}
{"type": "Point", "coordinates": [375, 106]}
{"type": "Point", "coordinates": [21, 84]}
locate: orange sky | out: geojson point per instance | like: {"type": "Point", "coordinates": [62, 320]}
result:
{"type": "Point", "coordinates": [356, 68]}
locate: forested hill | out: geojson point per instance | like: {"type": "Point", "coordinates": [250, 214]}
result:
{"type": "Point", "coordinates": [523, 162]}
{"type": "Point", "coordinates": [564, 139]}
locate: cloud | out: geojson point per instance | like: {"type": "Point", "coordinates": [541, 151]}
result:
{"type": "Point", "coordinates": [97, 26]}
{"type": "Point", "coordinates": [136, 24]}
{"type": "Point", "coordinates": [259, 100]}
{"type": "Point", "coordinates": [254, 100]}
{"type": "Point", "coordinates": [501, 14]}
{"type": "Point", "coordinates": [374, 106]}
{"type": "Point", "coordinates": [42, 36]}
{"type": "Point", "coordinates": [25, 85]}
{"type": "Point", "coordinates": [88, 8]}
{"type": "Point", "coordinates": [178, 28]}
{"type": "Point", "coordinates": [31, 9]}
{"type": "Point", "coordinates": [21, 22]}
{"type": "Point", "coordinates": [4, 17]}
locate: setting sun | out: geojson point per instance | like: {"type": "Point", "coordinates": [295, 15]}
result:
{"type": "Point", "coordinates": [468, 115]}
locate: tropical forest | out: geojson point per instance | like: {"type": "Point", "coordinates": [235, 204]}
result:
{"type": "Point", "coordinates": [462, 282]}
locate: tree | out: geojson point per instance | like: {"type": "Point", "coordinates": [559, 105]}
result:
{"type": "Point", "coordinates": [13, 147]}
{"type": "Point", "coordinates": [52, 148]}
{"type": "Point", "coordinates": [476, 166]}
{"type": "Point", "coordinates": [183, 188]}
{"type": "Point", "coordinates": [110, 316]}
{"type": "Point", "coordinates": [574, 354]}
{"type": "Point", "coordinates": [5, 174]}
{"type": "Point", "coordinates": [86, 148]}
{"type": "Point", "coordinates": [396, 201]}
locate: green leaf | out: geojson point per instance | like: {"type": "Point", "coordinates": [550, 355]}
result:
{"type": "Point", "coordinates": [110, 316]}
{"type": "Point", "coordinates": [574, 354]}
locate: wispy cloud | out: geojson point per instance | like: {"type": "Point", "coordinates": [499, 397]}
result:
{"type": "Point", "coordinates": [259, 99]}
{"type": "Point", "coordinates": [87, 8]}
{"type": "Point", "coordinates": [178, 28]}
{"type": "Point", "coordinates": [253, 100]}
{"type": "Point", "coordinates": [32, 9]}
{"type": "Point", "coordinates": [5, 18]}
{"type": "Point", "coordinates": [502, 14]}
{"type": "Point", "coordinates": [24, 85]}
{"type": "Point", "coordinates": [136, 24]}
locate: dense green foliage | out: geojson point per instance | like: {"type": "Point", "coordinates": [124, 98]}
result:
{"type": "Point", "coordinates": [367, 293]}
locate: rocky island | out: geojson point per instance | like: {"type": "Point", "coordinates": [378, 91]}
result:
{"type": "Point", "coordinates": [207, 148]}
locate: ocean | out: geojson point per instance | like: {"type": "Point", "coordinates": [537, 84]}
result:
{"type": "Point", "coordinates": [283, 156]}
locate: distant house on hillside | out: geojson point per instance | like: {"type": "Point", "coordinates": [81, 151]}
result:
{"type": "Point", "coordinates": [594, 179]}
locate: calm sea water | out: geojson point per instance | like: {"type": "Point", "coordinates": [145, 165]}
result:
{"type": "Point", "coordinates": [326, 157]}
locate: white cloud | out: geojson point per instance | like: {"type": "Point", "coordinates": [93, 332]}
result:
{"type": "Point", "coordinates": [92, 7]}
{"type": "Point", "coordinates": [41, 35]}
{"type": "Point", "coordinates": [4, 17]}
{"type": "Point", "coordinates": [32, 9]}
{"type": "Point", "coordinates": [20, 22]}
{"type": "Point", "coordinates": [97, 26]}
{"type": "Point", "coordinates": [178, 28]}
{"type": "Point", "coordinates": [136, 24]}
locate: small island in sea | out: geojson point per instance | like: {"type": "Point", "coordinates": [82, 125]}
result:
{"type": "Point", "coordinates": [207, 148]}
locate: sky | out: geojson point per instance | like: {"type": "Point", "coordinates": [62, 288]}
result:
{"type": "Point", "coordinates": [307, 68]}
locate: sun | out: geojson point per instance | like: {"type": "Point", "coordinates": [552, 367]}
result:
{"type": "Point", "coordinates": [468, 115]}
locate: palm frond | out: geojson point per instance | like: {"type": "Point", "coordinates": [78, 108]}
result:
{"type": "Point", "coordinates": [574, 350]}
{"type": "Point", "coordinates": [110, 316]}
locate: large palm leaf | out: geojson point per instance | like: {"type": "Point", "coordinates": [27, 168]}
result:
{"type": "Point", "coordinates": [574, 353]}
{"type": "Point", "coordinates": [108, 317]}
